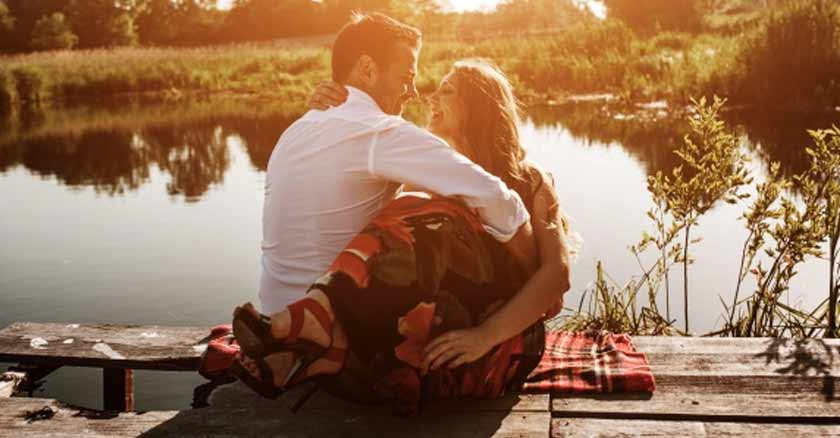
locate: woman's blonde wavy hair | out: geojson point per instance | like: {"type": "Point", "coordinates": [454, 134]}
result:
{"type": "Point", "coordinates": [491, 121]}
{"type": "Point", "coordinates": [491, 128]}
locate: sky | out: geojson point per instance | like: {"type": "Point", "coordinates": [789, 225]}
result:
{"type": "Point", "coordinates": [470, 5]}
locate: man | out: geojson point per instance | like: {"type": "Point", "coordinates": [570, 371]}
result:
{"type": "Point", "coordinates": [333, 170]}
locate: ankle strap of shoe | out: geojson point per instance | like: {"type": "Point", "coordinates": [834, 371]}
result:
{"type": "Point", "coordinates": [296, 310]}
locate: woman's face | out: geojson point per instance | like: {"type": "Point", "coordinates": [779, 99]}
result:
{"type": "Point", "coordinates": [448, 110]}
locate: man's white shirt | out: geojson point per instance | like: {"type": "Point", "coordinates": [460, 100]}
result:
{"type": "Point", "coordinates": [332, 171]}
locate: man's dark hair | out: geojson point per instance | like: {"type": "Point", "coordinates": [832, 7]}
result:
{"type": "Point", "coordinates": [372, 34]}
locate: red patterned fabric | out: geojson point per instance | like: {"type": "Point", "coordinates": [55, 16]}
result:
{"type": "Point", "coordinates": [577, 362]}
{"type": "Point", "coordinates": [485, 378]}
{"type": "Point", "coordinates": [574, 362]}
{"type": "Point", "coordinates": [220, 353]}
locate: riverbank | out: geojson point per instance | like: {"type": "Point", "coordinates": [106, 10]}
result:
{"type": "Point", "coordinates": [590, 58]}
{"type": "Point", "coordinates": [606, 58]}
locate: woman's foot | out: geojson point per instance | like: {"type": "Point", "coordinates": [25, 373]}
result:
{"type": "Point", "coordinates": [312, 328]}
{"type": "Point", "coordinates": [282, 364]}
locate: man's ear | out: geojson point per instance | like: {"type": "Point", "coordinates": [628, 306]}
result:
{"type": "Point", "coordinates": [368, 71]}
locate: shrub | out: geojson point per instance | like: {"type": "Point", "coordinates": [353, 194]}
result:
{"type": "Point", "coordinates": [52, 32]}
{"type": "Point", "coordinates": [794, 57]}
{"type": "Point", "coordinates": [30, 85]}
{"type": "Point", "coordinates": [651, 16]}
{"type": "Point", "coordinates": [8, 93]}
{"type": "Point", "coordinates": [672, 41]}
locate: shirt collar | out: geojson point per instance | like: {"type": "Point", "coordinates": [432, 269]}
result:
{"type": "Point", "coordinates": [358, 96]}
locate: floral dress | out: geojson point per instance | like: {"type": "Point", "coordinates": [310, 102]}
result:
{"type": "Point", "coordinates": [422, 267]}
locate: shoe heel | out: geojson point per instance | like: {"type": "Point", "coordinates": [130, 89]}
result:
{"type": "Point", "coordinates": [248, 340]}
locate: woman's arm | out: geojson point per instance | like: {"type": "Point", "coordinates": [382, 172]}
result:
{"type": "Point", "coordinates": [544, 289]}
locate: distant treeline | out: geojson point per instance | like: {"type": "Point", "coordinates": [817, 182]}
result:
{"type": "Point", "coordinates": [30, 25]}
{"type": "Point", "coordinates": [778, 53]}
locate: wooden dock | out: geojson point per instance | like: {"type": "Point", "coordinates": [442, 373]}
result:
{"type": "Point", "coordinates": [705, 387]}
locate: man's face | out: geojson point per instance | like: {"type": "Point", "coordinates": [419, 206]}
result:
{"type": "Point", "coordinates": [395, 83]}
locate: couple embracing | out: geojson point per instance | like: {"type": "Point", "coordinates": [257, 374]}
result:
{"type": "Point", "coordinates": [403, 264]}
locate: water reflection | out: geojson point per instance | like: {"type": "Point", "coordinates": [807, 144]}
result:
{"type": "Point", "coordinates": [114, 152]}
{"type": "Point", "coordinates": [113, 146]}
{"type": "Point", "coordinates": [649, 137]}
{"type": "Point", "coordinates": [783, 136]}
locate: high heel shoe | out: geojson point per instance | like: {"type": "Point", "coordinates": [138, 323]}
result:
{"type": "Point", "coordinates": [254, 336]}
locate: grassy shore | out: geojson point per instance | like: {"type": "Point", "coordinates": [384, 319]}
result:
{"type": "Point", "coordinates": [287, 73]}
{"type": "Point", "coordinates": [587, 60]}
{"type": "Point", "coordinates": [592, 57]}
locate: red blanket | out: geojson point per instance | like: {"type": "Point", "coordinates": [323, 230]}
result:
{"type": "Point", "coordinates": [590, 362]}
{"type": "Point", "coordinates": [577, 362]}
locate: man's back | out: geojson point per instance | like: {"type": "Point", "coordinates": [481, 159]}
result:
{"type": "Point", "coordinates": [318, 195]}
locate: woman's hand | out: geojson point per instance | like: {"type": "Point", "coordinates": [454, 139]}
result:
{"type": "Point", "coordinates": [456, 348]}
{"type": "Point", "coordinates": [328, 94]}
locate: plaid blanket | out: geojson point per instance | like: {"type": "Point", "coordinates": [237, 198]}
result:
{"type": "Point", "coordinates": [573, 362]}
{"type": "Point", "coordinates": [580, 362]}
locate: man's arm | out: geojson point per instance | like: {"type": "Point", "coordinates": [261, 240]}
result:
{"type": "Point", "coordinates": [413, 156]}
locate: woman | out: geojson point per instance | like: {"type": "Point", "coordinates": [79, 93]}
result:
{"type": "Point", "coordinates": [471, 300]}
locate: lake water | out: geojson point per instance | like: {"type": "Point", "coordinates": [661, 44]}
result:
{"type": "Point", "coordinates": [149, 213]}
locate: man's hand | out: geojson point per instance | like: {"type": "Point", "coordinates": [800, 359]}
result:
{"type": "Point", "coordinates": [328, 94]}
{"type": "Point", "coordinates": [456, 348]}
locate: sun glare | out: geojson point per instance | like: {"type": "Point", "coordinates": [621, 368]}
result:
{"type": "Point", "coordinates": [596, 6]}
{"type": "Point", "coordinates": [473, 5]}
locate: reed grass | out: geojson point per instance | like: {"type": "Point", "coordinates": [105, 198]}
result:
{"type": "Point", "coordinates": [789, 221]}
{"type": "Point", "coordinates": [247, 69]}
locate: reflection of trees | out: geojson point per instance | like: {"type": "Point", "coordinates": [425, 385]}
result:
{"type": "Point", "coordinates": [106, 160]}
{"type": "Point", "coordinates": [778, 137]}
{"type": "Point", "coordinates": [113, 147]}
{"type": "Point", "coordinates": [650, 140]}
{"type": "Point", "coordinates": [114, 153]}
{"type": "Point", "coordinates": [258, 134]}
{"type": "Point", "coordinates": [783, 136]}
{"type": "Point", "coordinates": [196, 156]}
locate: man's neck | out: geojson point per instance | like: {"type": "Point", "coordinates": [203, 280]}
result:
{"type": "Point", "coordinates": [365, 89]}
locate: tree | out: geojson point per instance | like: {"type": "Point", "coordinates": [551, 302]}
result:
{"type": "Point", "coordinates": [267, 19]}
{"type": "Point", "coordinates": [7, 21]}
{"type": "Point", "coordinates": [122, 30]}
{"type": "Point", "coordinates": [414, 12]}
{"type": "Point", "coordinates": [104, 23]}
{"type": "Point", "coordinates": [651, 16]}
{"type": "Point", "coordinates": [7, 26]}
{"type": "Point", "coordinates": [158, 23]}
{"type": "Point", "coordinates": [185, 22]}
{"type": "Point", "coordinates": [26, 13]}
{"type": "Point", "coordinates": [52, 32]}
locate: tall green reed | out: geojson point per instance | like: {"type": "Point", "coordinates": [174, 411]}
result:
{"type": "Point", "coordinates": [788, 221]}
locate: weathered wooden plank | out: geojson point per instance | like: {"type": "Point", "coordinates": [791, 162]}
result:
{"type": "Point", "coordinates": [741, 356]}
{"type": "Point", "coordinates": [710, 364]}
{"type": "Point", "coordinates": [237, 395]}
{"type": "Point", "coordinates": [778, 398]}
{"type": "Point", "coordinates": [747, 346]}
{"type": "Point", "coordinates": [726, 378]}
{"type": "Point", "coordinates": [593, 427]}
{"type": "Point", "coordinates": [250, 422]}
{"type": "Point", "coordinates": [245, 422]}
{"type": "Point", "coordinates": [34, 417]}
{"type": "Point", "coordinates": [104, 345]}
{"type": "Point", "coordinates": [322, 401]}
